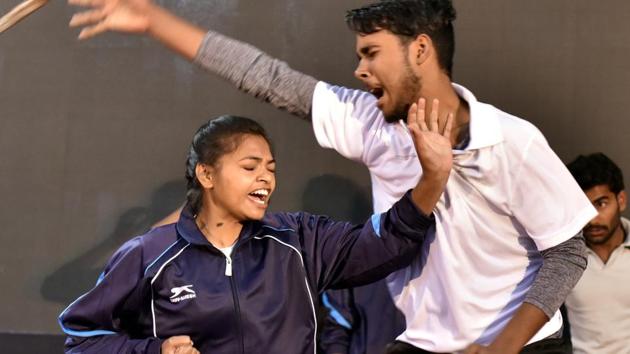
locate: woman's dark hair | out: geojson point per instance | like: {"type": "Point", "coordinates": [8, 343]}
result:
{"type": "Point", "coordinates": [596, 169]}
{"type": "Point", "coordinates": [409, 18]}
{"type": "Point", "coordinates": [212, 140]}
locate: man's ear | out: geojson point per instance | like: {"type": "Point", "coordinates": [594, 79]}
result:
{"type": "Point", "coordinates": [422, 48]}
{"type": "Point", "coordinates": [622, 200]}
{"type": "Point", "coordinates": [204, 175]}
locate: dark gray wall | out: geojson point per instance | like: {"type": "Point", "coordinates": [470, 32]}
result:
{"type": "Point", "coordinates": [93, 135]}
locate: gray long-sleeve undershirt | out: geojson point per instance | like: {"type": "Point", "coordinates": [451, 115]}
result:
{"type": "Point", "coordinates": [562, 267]}
{"type": "Point", "coordinates": [273, 81]}
{"type": "Point", "coordinates": [257, 73]}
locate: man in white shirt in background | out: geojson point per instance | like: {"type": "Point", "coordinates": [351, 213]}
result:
{"type": "Point", "coordinates": [599, 305]}
{"type": "Point", "coordinates": [507, 247]}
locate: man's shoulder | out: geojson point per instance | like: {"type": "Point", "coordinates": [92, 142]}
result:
{"type": "Point", "coordinates": [512, 123]}
{"type": "Point", "coordinates": [344, 101]}
{"type": "Point", "coordinates": [515, 130]}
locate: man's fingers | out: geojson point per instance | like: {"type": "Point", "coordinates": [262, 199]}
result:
{"type": "Point", "coordinates": [86, 18]}
{"type": "Point", "coordinates": [86, 3]}
{"type": "Point", "coordinates": [89, 32]}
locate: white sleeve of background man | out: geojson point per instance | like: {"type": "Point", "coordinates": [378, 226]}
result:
{"type": "Point", "coordinates": [340, 115]}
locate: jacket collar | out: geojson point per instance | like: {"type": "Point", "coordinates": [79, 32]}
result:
{"type": "Point", "coordinates": [188, 230]}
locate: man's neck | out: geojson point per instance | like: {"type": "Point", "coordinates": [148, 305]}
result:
{"type": "Point", "coordinates": [441, 88]}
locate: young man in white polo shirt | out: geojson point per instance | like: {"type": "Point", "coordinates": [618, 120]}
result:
{"type": "Point", "coordinates": [599, 305]}
{"type": "Point", "coordinates": [507, 246]}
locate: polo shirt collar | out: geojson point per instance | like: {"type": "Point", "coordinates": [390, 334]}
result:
{"type": "Point", "coordinates": [485, 128]}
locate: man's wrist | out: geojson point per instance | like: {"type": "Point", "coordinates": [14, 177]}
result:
{"type": "Point", "coordinates": [153, 14]}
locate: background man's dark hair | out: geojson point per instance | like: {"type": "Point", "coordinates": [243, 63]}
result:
{"type": "Point", "coordinates": [409, 18]}
{"type": "Point", "coordinates": [596, 169]}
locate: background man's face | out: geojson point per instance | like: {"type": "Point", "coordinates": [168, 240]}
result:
{"type": "Point", "coordinates": [609, 206]}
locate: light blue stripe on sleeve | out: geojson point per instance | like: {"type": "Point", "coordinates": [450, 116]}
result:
{"type": "Point", "coordinates": [334, 313]}
{"type": "Point", "coordinates": [160, 256]}
{"type": "Point", "coordinates": [86, 333]}
{"type": "Point", "coordinates": [80, 333]}
{"type": "Point", "coordinates": [100, 277]}
{"type": "Point", "coordinates": [376, 224]}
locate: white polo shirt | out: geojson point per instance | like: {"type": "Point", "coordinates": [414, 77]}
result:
{"type": "Point", "coordinates": [508, 196]}
{"type": "Point", "coordinates": [599, 305]}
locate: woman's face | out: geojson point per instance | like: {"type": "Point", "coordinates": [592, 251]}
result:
{"type": "Point", "coordinates": [244, 180]}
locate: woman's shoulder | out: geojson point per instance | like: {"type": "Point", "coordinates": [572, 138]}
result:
{"type": "Point", "coordinates": [150, 246]}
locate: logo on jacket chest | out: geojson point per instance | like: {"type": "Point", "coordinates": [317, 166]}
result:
{"type": "Point", "coordinates": [182, 293]}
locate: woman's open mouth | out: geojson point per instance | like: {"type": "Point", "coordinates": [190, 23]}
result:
{"type": "Point", "coordinates": [260, 196]}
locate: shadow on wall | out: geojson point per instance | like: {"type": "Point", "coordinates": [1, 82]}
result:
{"type": "Point", "coordinates": [80, 274]}
{"type": "Point", "coordinates": [337, 197]}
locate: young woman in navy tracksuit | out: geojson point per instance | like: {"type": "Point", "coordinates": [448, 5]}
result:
{"type": "Point", "coordinates": [226, 278]}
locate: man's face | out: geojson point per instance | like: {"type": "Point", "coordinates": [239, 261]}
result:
{"type": "Point", "coordinates": [386, 70]}
{"type": "Point", "coordinates": [609, 206]}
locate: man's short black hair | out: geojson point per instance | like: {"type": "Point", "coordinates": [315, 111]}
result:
{"type": "Point", "coordinates": [596, 169]}
{"type": "Point", "coordinates": [409, 18]}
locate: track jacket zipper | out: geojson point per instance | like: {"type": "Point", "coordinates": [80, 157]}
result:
{"type": "Point", "coordinates": [237, 307]}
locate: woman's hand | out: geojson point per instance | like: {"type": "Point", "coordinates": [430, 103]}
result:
{"type": "Point", "coordinates": [178, 345]}
{"type": "Point", "coordinates": [432, 145]}
{"type": "Point", "coordinates": [434, 152]}
{"type": "Point", "coordinates": [130, 16]}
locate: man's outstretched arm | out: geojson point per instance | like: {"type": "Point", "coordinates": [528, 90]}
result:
{"type": "Point", "coordinates": [246, 66]}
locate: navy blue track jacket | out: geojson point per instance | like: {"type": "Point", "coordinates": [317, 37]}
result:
{"type": "Point", "coordinates": [172, 281]}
